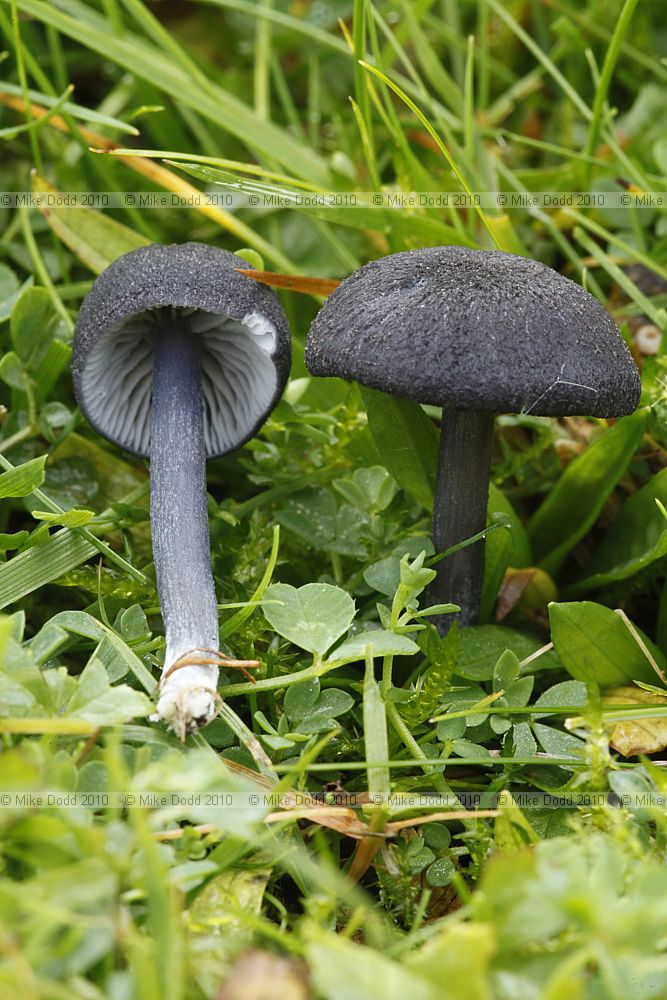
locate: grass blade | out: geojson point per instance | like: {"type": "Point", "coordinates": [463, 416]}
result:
{"type": "Point", "coordinates": [360, 215]}
{"type": "Point", "coordinates": [584, 487]}
{"type": "Point", "coordinates": [375, 732]}
{"type": "Point", "coordinates": [602, 88]}
{"type": "Point", "coordinates": [236, 621]}
{"type": "Point", "coordinates": [42, 564]}
{"type": "Point", "coordinates": [656, 316]}
{"type": "Point", "coordinates": [95, 238]}
{"type": "Point", "coordinates": [68, 108]}
{"type": "Point", "coordinates": [80, 23]}
{"type": "Point", "coordinates": [541, 57]}
{"type": "Point", "coordinates": [436, 138]}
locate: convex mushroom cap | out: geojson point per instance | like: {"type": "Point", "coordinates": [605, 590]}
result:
{"type": "Point", "coordinates": [240, 325]}
{"type": "Point", "coordinates": [475, 330]}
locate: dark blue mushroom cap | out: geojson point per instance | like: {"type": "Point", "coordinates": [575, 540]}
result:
{"type": "Point", "coordinates": [241, 328]}
{"type": "Point", "coordinates": [475, 330]}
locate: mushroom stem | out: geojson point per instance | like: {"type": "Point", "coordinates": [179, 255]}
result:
{"type": "Point", "coordinates": [179, 529]}
{"type": "Point", "coordinates": [460, 511]}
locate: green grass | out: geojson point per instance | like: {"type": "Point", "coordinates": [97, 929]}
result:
{"type": "Point", "coordinates": [550, 717]}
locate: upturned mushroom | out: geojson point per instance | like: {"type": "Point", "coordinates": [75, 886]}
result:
{"type": "Point", "coordinates": [180, 358]}
{"type": "Point", "coordinates": [477, 332]}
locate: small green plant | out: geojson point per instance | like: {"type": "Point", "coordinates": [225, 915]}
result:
{"type": "Point", "coordinates": [381, 809]}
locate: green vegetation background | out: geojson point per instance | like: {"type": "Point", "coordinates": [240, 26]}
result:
{"type": "Point", "coordinates": [320, 526]}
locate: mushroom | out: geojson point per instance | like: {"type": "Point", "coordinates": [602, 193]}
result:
{"type": "Point", "coordinates": [477, 332]}
{"type": "Point", "coordinates": [180, 358]}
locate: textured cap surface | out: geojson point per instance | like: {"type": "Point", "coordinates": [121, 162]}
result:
{"type": "Point", "coordinates": [475, 330]}
{"type": "Point", "coordinates": [242, 330]}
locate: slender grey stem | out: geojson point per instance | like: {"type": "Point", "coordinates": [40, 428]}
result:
{"type": "Point", "coordinates": [460, 511]}
{"type": "Point", "coordinates": [179, 515]}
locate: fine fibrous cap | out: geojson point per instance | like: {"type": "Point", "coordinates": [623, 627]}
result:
{"type": "Point", "coordinates": [475, 330]}
{"type": "Point", "coordinates": [242, 334]}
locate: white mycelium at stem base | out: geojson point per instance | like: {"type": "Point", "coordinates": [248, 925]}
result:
{"type": "Point", "coordinates": [180, 358]}
{"type": "Point", "coordinates": [179, 528]}
{"type": "Point", "coordinates": [180, 384]}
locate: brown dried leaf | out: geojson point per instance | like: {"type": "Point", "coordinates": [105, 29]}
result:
{"type": "Point", "coordinates": [631, 736]}
{"type": "Point", "coordinates": [347, 824]}
{"type": "Point", "coordinates": [511, 590]}
{"type": "Point", "coordinates": [259, 975]}
{"type": "Point", "coordinates": [292, 282]}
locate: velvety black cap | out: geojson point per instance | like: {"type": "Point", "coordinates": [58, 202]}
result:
{"type": "Point", "coordinates": [201, 285]}
{"type": "Point", "coordinates": [475, 330]}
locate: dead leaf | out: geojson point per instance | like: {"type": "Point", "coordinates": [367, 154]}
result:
{"type": "Point", "coordinates": [336, 818]}
{"type": "Point", "coordinates": [442, 902]}
{"type": "Point", "coordinates": [301, 805]}
{"type": "Point", "coordinates": [292, 282]}
{"type": "Point", "coordinates": [632, 736]}
{"type": "Point", "coordinates": [511, 590]}
{"type": "Point", "coordinates": [259, 975]}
